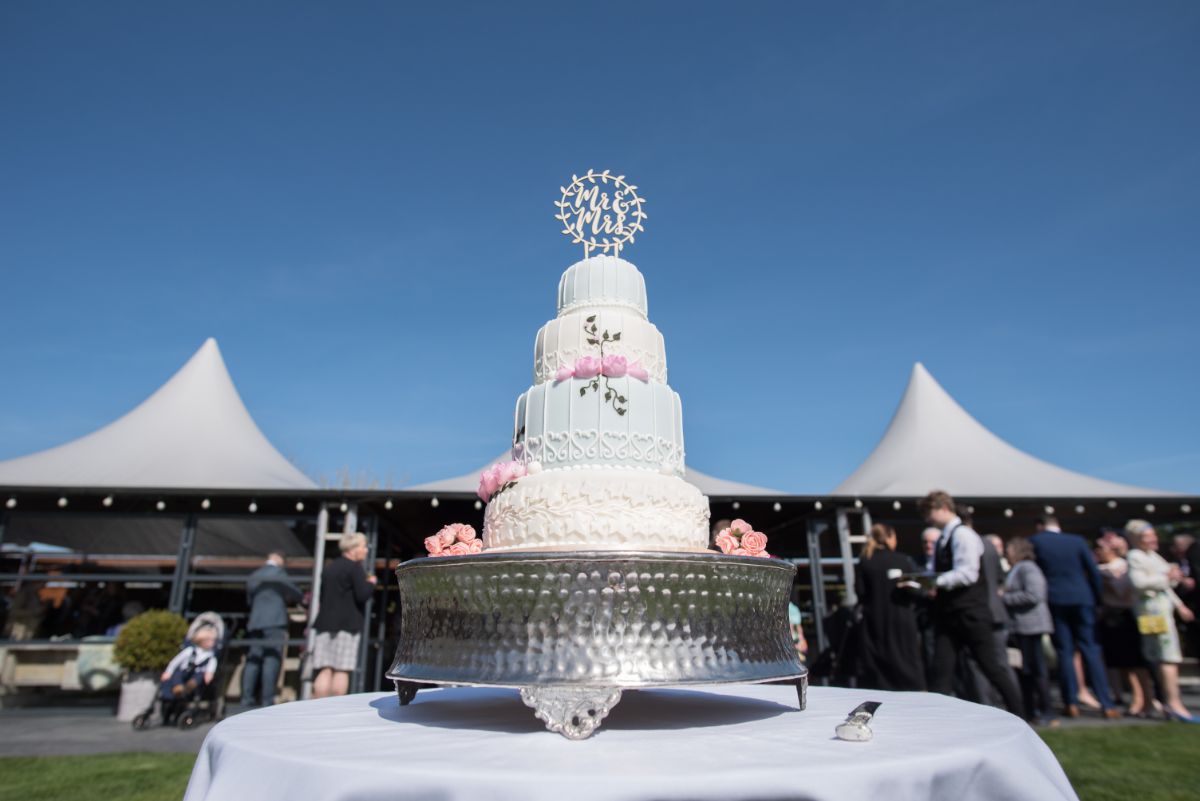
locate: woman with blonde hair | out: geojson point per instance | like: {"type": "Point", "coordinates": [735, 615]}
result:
{"type": "Point", "coordinates": [889, 645]}
{"type": "Point", "coordinates": [1155, 605]}
{"type": "Point", "coordinates": [345, 588]}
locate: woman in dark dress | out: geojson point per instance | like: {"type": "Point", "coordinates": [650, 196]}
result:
{"type": "Point", "coordinates": [345, 588]}
{"type": "Point", "coordinates": [890, 645]}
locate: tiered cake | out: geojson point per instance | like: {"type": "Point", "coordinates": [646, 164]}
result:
{"type": "Point", "coordinates": [605, 452]}
{"type": "Point", "coordinates": [595, 573]}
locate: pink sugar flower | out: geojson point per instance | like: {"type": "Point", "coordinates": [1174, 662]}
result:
{"type": "Point", "coordinates": [511, 471]}
{"type": "Point", "coordinates": [564, 373]}
{"type": "Point", "coordinates": [587, 367]}
{"type": "Point", "coordinates": [476, 546]}
{"type": "Point", "coordinates": [741, 552]}
{"type": "Point", "coordinates": [433, 545]}
{"type": "Point", "coordinates": [459, 549]}
{"type": "Point", "coordinates": [614, 366]}
{"type": "Point", "coordinates": [447, 536]}
{"type": "Point", "coordinates": [489, 482]}
{"type": "Point", "coordinates": [740, 527]}
{"type": "Point", "coordinates": [635, 370]}
{"type": "Point", "coordinates": [463, 532]}
{"type": "Point", "coordinates": [755, 542]}
{"type": "Point", "coordinates": [726, 541]}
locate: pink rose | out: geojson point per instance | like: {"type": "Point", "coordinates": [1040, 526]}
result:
{"type": "Point", "coordinates": [755, 542]}
{"type": "Point", "coordinates": [614, 366]}
{"type": "Point", "coordinates": [433, 545]}
{"type": "Point", "coordinates": [510, 471]}
{"type": "Point", "coordinates": [463, 532]}
{"type": "Point", "coordinates": [726, 541]}
{"type": "Point", "coordinates": [740, 527]}
{"type": "Point", "coordinates": [635, 370]}
{"type": "Point", "coordinates": [741, 552]}
{"type": "Point", "coordinates": [459, 549]}
{"type": "Point", "coordinates": [564, 373]}
{"type": "Point", "coordinates": [587, 367]}
{"type": "Point", "coordinates": [476, 546]}
{"type": "Point", "coordinates": [488, 483]}
{"type": "Point", "coordinates": [447, 535]}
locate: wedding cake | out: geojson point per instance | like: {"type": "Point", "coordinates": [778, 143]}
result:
{"type": "Point", "coordinates": [594, 573]}
{"type": "Point", "coordinates": [598, 439]}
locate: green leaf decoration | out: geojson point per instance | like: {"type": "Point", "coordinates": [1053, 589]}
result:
{"type": "Point", "coordinates": [608, 395]}
{"type": "Point", "coordinates": [622, 399]}
{"type": "Point", "coordinates": [621, 412]}
{"type": "Point", "coordinates": [582, 391]}
{"type": "Point", "coordinates": [616, 336]}
{"type": "Point", "coordinates": [593, 341]}
{"type": "Point", "coordinates": [591, 319]}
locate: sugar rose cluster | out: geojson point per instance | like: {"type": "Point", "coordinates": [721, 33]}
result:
{"type": "Point", "coordinates": [740, 539]}
{"type": "Point", "coordinates": [456, 539]}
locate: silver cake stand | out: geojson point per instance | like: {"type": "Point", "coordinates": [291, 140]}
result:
{"type": "Point", "coordinates": [572, 629]}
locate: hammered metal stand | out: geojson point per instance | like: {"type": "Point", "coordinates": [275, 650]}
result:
{"type": "Point", "coordinates": [572, 629]}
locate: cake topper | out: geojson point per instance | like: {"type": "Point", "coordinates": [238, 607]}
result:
{"type": "Point", "coordinates": [597, 216]}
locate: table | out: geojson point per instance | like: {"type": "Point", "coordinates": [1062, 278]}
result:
{"type": "Point", "coordinates": [732, 742]}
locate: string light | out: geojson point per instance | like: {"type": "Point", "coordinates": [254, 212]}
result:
{"type": "Point", "coordinates": [62, 503]}
{"type": "Point", "coordinates": [299, 506]}
{"type": "Point", "coordinates": [857, 503]}
{"type": "Point", "coordinates": [204, 504]}
{"type": "Point", "coordinates": [896, 505]}
{"type": "Point", "coordinates": [160, 505]}
{"type": "Point", "coordinates": [778, 506]}
{"type": "Point", "coordinates": [11, 503]}
{"type": "Point", "coordinates": [1049, 510]}
{"type": "Point", "coordinates": [1186, 508]}
{"type": "Point", "coordinates": [1112, 504]}
{"type": "Point", "coordinates": [817, 505]}
{"type": "Point", "coordinates": [737, 505]}
{"type": "Point", "coordinates": [387, 504]}
{"type": "Point", "coordinates": [434, 502]}
{"type": "Point", "coordinates": [1079, 509]}
{"type": "Point", "coordinates": [253, 507]}
{"type": "Point", "coordinates": [1150, 508]}
{"type": "Point", "coordinates": [344, 508]}
{"type": "Point", "coordinates": [478, 505]}
{"type": "Point", "coordinates": [1008, 512]}
{"type": "Point", "coordinates": [108, 500]}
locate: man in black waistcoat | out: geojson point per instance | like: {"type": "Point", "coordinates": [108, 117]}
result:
{"type": "Point", "coordinates": [961, 615]}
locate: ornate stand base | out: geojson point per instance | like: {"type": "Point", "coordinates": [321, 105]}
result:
{"type": "Point", "coordinates": [573, 712]}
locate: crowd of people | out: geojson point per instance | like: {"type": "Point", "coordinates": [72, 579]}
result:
{"type": "Point", "coordinates": [973, 615]}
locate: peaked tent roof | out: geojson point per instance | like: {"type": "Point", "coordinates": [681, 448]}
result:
{"type": "Point", "coordinates": [707, 484]}
{"type": "Point", "coordinates": [933, 443]}
{"type": "Point", "coordinates": [193, 433]}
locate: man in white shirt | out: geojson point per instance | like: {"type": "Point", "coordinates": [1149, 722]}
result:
{"type": "Point", "coordinates": [961, 614]}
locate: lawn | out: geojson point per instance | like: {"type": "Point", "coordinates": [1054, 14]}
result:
{"type": "Point", "coordinates": [1118, 763]}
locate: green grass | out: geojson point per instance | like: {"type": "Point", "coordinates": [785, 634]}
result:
{"type": "Point", "coordinates": [1111, 763]}
{"type": "Point", "coordinates": [1120, 763]}
{"type": "Point", "coordinates": [111, 777]}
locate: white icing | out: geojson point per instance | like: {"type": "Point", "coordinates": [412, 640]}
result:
{"type": "Point", "coordinates": [562, 341]}
{"type": "Point", "coordinates": [590, 509]}
{"type": "Point", "coordinates": [602, 281]}
{"type": "Point", "coordinates": [558, 426]}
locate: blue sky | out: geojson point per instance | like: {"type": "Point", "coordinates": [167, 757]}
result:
{"type": "Point", "coordinates": [356, 200]}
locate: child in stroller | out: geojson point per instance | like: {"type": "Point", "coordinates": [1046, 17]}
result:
{"type": "Point", "coordinates": [187, 690]}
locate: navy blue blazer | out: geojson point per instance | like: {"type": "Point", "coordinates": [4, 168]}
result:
{"type": "Point", "coordinates": [1072, 578]}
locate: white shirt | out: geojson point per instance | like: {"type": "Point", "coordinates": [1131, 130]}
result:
{"type": "Point", "coordinates": [968, 551]}
{"type": "Point", "coordinates": [204, 661]}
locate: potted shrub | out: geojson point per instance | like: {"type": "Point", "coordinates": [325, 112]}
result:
{"type": "Point", "coordinates": [143, 648]}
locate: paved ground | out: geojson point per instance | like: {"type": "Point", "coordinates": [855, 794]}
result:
{"type": "Point", "coordinates": [58, 730]}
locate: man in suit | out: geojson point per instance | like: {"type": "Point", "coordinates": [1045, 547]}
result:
{"type": "Point", "coordinates": [1073, 590]}
{"type": "Point", "coordinates": [962, 617]}
{"type": "Point", "coordinates": [269, 590]}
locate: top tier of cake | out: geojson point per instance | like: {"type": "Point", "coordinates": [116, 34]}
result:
{"type": "Point", "coordinates": [602, 281]}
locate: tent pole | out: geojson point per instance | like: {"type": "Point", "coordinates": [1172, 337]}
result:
{"type": "Point", "coordinates": [314, 602]}
{"type": "Point", "coordinates": [817, 577]}
{"type": "Point", "coordinates": [843, 529]}
{"type": "Point", "coordinates": [371, 529]}
{"type": "Point", "coordinates": [183, 562]}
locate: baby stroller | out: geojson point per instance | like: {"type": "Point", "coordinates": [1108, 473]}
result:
{"type": "Point", "coordinates": [184, 699]}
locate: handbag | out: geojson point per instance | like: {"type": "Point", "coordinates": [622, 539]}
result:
{"type": "Point", "coordinates": [1152, 624]}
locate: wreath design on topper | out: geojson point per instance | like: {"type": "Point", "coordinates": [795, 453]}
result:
{"type": "Point", "coordinates": [597, 216]}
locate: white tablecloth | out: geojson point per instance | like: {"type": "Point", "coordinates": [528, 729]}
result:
{"type": "Point", "coordinates": [740, 742]}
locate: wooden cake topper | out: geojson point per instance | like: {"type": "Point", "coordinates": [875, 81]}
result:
{"type": "Point", "coordinates": [600, 211]}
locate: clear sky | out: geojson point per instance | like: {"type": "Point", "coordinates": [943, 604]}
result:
{"type": "Point", "coordinates": [356, 200]}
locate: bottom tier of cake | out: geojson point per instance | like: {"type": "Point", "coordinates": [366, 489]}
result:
{"type": "Point", "coordinates": [584, 625]}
